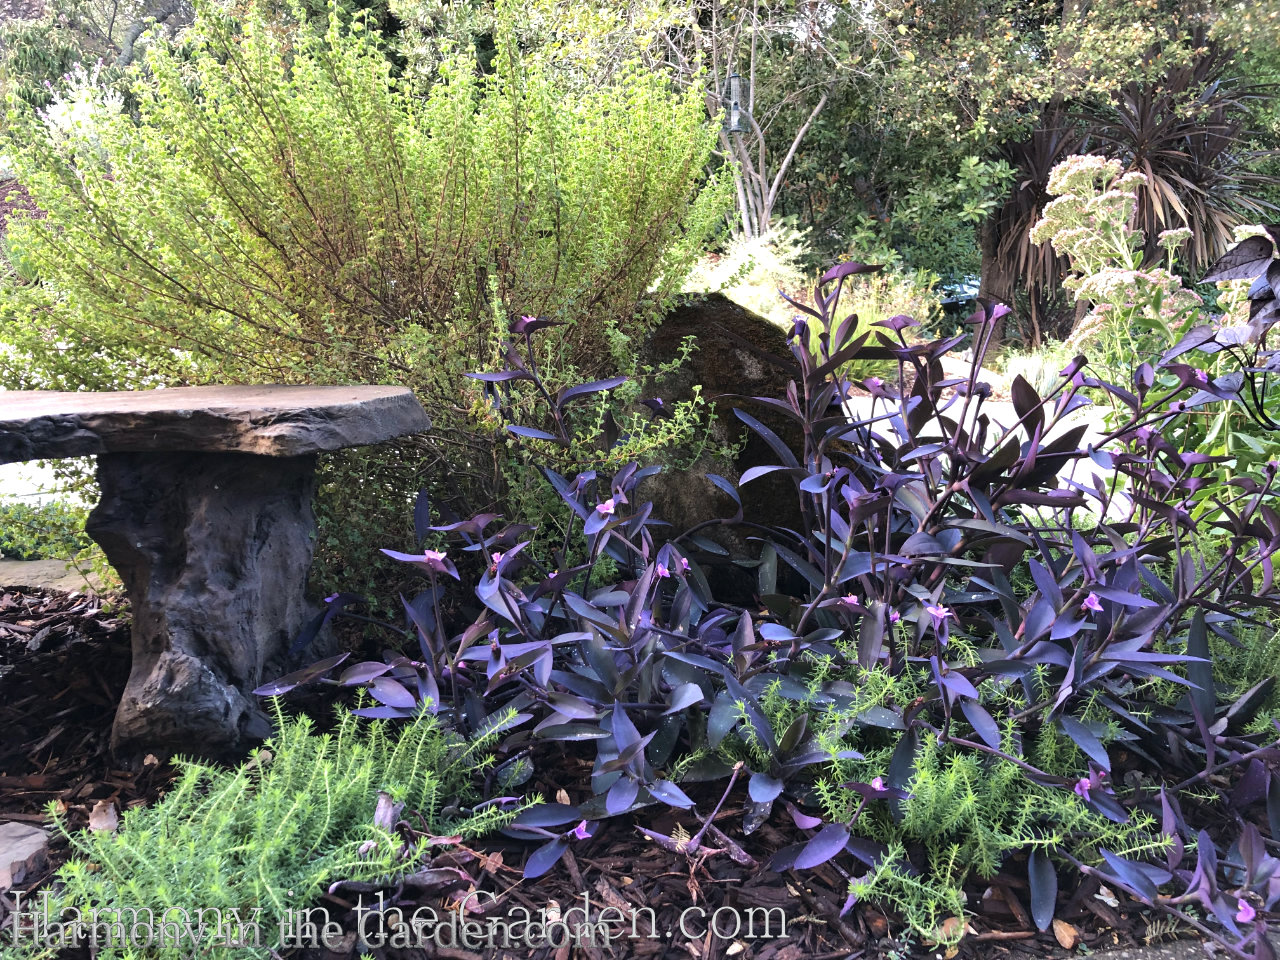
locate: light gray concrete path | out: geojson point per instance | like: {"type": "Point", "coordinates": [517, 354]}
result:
{"type": "Point", "coordinates": [46, 575]}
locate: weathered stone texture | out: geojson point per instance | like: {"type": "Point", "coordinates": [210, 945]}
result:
{"type": "Point", "coordinates": [272, 420]}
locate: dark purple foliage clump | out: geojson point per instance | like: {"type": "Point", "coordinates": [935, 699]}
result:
{"type": "Point", "coordinates": [1025, 578]}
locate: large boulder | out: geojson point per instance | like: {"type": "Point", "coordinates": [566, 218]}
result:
{"type": "Point", "coordinates": [739, 355]}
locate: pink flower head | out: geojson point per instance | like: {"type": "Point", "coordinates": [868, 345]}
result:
{"type": "Point", "coordinates": [939, 613]}
{"type": "Point", "coordinates": [580, 831]}
{"type": "Point", "coordinates": [877, 783]}
{"type": "Point", "coordinates": [607, 508]}
{"type": "Point", "coordinates": [1200, 376]}
{"type": "Point", "coordinates": [894, 616]}
{"type": "Point", "coordinates": [684, 563]}
{"type": "Point", "coordinates": [434, 556]}
{"type": "Point", "coordinates": [495, 558]}
{"type": "Point", "coordinates": [1091, 602]}
{"type": "Point", "coordinates": [1246, 913]}
{"type": "Point", "coordinates": [1082, 787]}
{"type": "Point", "coordinates": [663, 571]}
{"type": "Point", "coordinates": [849, 600]}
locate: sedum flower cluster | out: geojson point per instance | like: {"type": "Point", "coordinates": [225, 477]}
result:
{"type": "Point", "coordinates": [1089, 222]}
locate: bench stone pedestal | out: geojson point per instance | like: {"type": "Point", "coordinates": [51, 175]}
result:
{"type": "Point", "coordinates": [205, 513]}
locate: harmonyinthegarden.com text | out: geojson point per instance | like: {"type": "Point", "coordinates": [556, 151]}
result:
{"type": "Point", "coordinates": [41, 924]}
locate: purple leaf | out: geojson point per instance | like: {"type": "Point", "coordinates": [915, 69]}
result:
{"type": "Point", "coordinates": [829, 841]}
{"type": "Point", "coordinates": [849, 268]}
{"type": "Point", "coordinates": [500, 377]}
{"type": "Point", "coordinates": [545, 857]}
{"type": "Point", "coordinates": [802, 820]}
{"type": "Point", "coordinates": [1043, 880]}
{"type": "Point", "coordinates": [530, 432]}
{"type": "Point", "coordinates": [363, 672]}
{"type": "Point", "coordinates": [582, 389]}
{"type": "Point", "coordinates": [1245, 261]}
{"type": "Point", "coordinates": [392, 693]}
{"type": "Point", "coordinates": [1084, 738]}
{"type": "Point", "coordinates": [382, 713]}
{"type": "Point", "coordinates": [982, 722]}
{"type": "Point", "coordinates": [621, 796]}
{"type": "Point", "coordinates": [670, 794]}
{"type": "Point", "coordinates": [299, 677]}
{"type": "Point", "coordinates": [684, 696]}
{"type": "Point", "coordinates": [764, 788]}
{"type": "Point", "coordinates": [547, 815]}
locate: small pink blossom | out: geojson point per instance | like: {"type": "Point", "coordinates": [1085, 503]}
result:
{"type": "Point", "coordinates": [684, 564]}
{"type": "Point", "coordinates": [663, 572]}
{"type": "Point", "coordinates": [434, 556]}
{"type": "Point", "coordinates": [938, 612]}
{"type": "Point", "coordinates": [850, 600]}
{"type": "Point", "coordinates": [607, 508]}
{"type": "Point", "coordinates": [580, 831]}
{"type": "Point", "coordinates": [1082, 787]}
{"type": "Point", "coordinates": [1246, 913]}
{"type": "Point", "coordinates": [894, 616]}
{"type": "Point", "coordinates": [1091, 602]}
{"type": "Point", "coordinates": [495, 558]}
{"type": "Point", "coordinates": [877, 784]}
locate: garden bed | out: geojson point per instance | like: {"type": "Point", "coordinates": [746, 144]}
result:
{"type": "Point", "coordinates": [58, 695]}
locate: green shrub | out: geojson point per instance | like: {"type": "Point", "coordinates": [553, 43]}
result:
{"type": "Point", "coordinates": [276, 831]}
{"type": "Point", "coordinates": [42, 531]}
{"type": "Point", "coordinates": [280, 208]}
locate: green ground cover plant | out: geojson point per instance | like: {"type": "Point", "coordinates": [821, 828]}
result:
{"type": "Point", "coordinates": [360, 802]}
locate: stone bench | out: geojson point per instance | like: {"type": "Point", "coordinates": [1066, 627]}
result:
{"type": "Point", "coordinates": [205, 512]}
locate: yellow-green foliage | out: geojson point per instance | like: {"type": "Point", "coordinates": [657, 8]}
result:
{"type": "Point", "coordinates": [279, 208]}
{"type": "Point", "coordinates": [276, 831]}
{"type": "Point", "coordinates": [751, 270]}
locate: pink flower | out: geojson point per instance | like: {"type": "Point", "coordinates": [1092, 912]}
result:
{"type": "Point", "coordinates": [432, 561]}
{"type": "Point", "coordinates": [1082, 787]}
{"type": "Point", "coordinates": [663, 571]}
{"type": "Point", "coordinates": [495, 558]}
{"type": "Point", "coordinates": [894, 616]}
{"type": "Point", "coordinates": [1246, 913]}
{"type": "Point", "coordinates": [850, 600]}
{"type": "Point", "coordinates": [580, 831]}
{"type": "Point", "coordinates": [877, 783]}
{"type": "Point", "coordinates": [1091, 602]}
{"type": "Point", "coordinates": [684, 564]}
{"type": "Point", "coordinates": [938, 612]}
{"type": "Point", "coordinates": [606, 509]}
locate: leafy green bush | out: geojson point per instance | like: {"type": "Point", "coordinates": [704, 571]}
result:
{"type": "Point", "coordinates": [280, 208]}
{"type": "Point", "coordinates": [307, 810]}
{"type": "Point", "coordinates": [53, 530]}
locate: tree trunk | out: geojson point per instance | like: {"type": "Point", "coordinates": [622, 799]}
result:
{"type": "Point", "coordinates": [997, 282]}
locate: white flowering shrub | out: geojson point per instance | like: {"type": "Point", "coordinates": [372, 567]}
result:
{"type": "Point", "coordinates": [1132, 305]}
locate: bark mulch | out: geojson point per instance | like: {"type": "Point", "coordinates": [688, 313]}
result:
{"type": "Point", "coordinates": [64, 660]}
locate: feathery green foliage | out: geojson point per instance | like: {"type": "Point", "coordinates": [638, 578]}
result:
{"type": "Point", "coordinates": [281, 208]}
{"type": "Point", "coordinates": [275, 831]}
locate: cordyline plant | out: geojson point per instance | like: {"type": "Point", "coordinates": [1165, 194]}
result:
{"type": "Point", "coordinates": [954, 564]}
